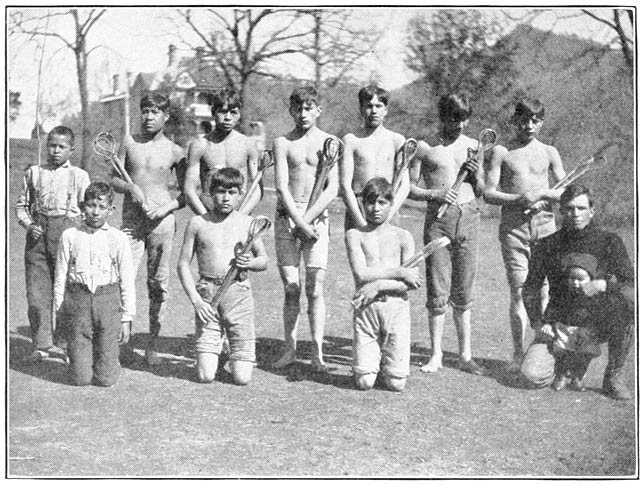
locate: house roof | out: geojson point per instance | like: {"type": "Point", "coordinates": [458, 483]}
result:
{"type": "Point", "coordinates": [187, 73]}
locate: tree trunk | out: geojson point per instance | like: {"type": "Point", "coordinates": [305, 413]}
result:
{"type": "Point", "coordinates": [80, 51]}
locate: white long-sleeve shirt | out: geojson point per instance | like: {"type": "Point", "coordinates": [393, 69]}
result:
{"type": "Point", "coordinates": [96, 257]}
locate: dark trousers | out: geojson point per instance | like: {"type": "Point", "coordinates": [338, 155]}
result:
{"type": "Point", "coordinates": [617, 328]}
{"type": "Point", "coordinates": [92, 324]}
{"type": "Point", "coordinates": [40, 263]}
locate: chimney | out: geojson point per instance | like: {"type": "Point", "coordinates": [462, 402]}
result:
{"type": "Point", "coordinates": [115, 84]}
{"type": "Point", "coordinates": [172, 54]}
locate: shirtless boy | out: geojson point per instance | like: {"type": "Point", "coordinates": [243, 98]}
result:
{"type": "Point", "coordinates": [302, 232]}
{"type": "Point", "coordinates": [370, 152]}
{"type": "Point", "coordinates": [213, 237]}
{"type": "Point", "coordinates": [451, 270]}
{"type": "Point", "coordinates": [381, 319]}
{"type": "Point", "coordinates": [516, 178]}
{"type": "Point", "coordinates": [148, 206]}
{"type": "Point", "coordinates": [223, 147]}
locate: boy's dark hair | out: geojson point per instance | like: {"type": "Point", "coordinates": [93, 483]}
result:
{"type": "Point", "coordinates": [61, 130]}
{"type": "Point", "coordinates": [368, 92]}
{"type": "Point", "coordinates": [155, 100]}
{"type": "Point", "coordinates": [99, 189]}
{"type": "Point", "coordinates": [573, 191]}
{"type": "Point", "coordinates": [377, 187]}
{"type": "Point", "coordinates": [302, 95]}
{"type": "Point", "coordinates": [228, 178]}
{"type": "Point", "coordinates": [529, 108]}
{"type": "Point", "coordinates": [225, 97]}
{"type": "Point", "coordinates": [454, 107]}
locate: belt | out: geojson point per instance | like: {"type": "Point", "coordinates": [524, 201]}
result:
{"type": "Point", "coordinates": [219, 280]}
{"type": "Point", "coordinates": [83, 286]}
{"type": "Point", "coordinates": [462, 204]}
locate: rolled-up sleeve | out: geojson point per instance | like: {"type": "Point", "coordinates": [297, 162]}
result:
{"type": "Point", "coordinates": [23, 202]}
{"type": "Point", "coordinates": [62, 266]}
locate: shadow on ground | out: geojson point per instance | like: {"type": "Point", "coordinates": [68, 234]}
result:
{"type": "Point", "coordinates": [51, 369]}
{"type": "Point", "coordinates": [337, 354]}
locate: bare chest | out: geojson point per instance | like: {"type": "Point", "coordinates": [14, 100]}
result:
{"type": "Point", "coordinates": [229, 153]}
{"type": "Point", "coordinates": [150, 157]}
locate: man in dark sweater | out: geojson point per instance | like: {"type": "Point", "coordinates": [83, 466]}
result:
{"type": "Point", "coordinates": [611, 291]}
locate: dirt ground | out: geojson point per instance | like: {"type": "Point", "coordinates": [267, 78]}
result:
{"type": "Point", "coordinates": [158, 422]}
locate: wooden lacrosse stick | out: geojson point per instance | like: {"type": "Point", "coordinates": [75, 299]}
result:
{"type": "Point", "coordinates": [407, 152]}
{"type": "Point", "coordinates": [258, 225]}
{"type": "Point", "coordinates": [487, 139]}
{"type": "Point", "coordinates": [595, 162]}
{"type": "Point", "coordinates": [331, 152]}
{"type": "Point", "coordinates": [105, 146]}
{"type": "Point", "coordinates": [428, 249]}
{"type": "Point", "coordinates": [266, 162]}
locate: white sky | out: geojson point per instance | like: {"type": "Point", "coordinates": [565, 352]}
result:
{"type": "Point", "coordinates": [137, 38]}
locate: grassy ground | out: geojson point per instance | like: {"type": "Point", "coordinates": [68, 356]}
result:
{"type": "Point", "coordinates": [158, 422]}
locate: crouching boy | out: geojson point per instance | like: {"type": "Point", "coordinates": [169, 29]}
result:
{"type": "Point", "coordinates": [381, 335]}
{"type": "Point", "coordinates": [214, 237]}
{"type": "Point", "coordinates": [94, 291]}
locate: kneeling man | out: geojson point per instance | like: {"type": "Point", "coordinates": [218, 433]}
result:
{"type": "Point", "coordinates": [609, 292]}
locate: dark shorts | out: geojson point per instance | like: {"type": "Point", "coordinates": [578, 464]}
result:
{"type": "Point", "coordinates": [451, 270]}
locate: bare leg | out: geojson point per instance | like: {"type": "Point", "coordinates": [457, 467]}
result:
{"type": "Point", "coordinates": [436, 324]}
{"type": "Point", "coordinates": [462, 321]}
{"type": "Point", "coordinates": [151, 355]}
{"type": "Point", "coordinates": [242, 371]}
{"type": "Point", "coordinates": [317, 313]}
{"type": "Point", "coordinates": [291, 313]}
{"type": "Point", "coordinates": [207, 366]}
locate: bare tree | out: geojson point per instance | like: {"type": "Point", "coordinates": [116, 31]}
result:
{"type": "Point", "coordinates": [619, 21]}
{"type": "Point", "coordinates": [243, 42]}
{"type": "Point", "coordinates": [33, 24]}
{"type": "Point", "coordinates": [334, 45]}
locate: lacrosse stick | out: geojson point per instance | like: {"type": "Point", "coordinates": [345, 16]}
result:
{"type": "Point", "coordinates": [266, 162]}
{"type": "Point", "coordinates": [595, 162]}
{"type": "Point", "coordinates": [259, 225]}
{"type": "Point", "coordinates": [407, 152]}
{"type": "Point", "coordinates": [428, 249]}
{"type": "Point", "coordinates": [331, 152]}
{"type": "Point", "coordinates": [104, 145]}
{"type": "Point", "coordinates": [487, 139]}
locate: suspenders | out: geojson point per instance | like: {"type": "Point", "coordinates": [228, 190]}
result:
{"type": "Point", "coordinates": [36, 207]}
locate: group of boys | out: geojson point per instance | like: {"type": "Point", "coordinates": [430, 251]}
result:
{"type": "Point", "coordinates": [219, 169]}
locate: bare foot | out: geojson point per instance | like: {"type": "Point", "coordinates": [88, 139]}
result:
{"type": "Point", "coordinates": [515, 366]}
{"type": "Point", "coordinates": [319, 365]}
{"type": "Point", "coordinates": [151, 357]}
{"type": "Point", "coordinates": [287, 359]}
{"type": "Point", "coordinates": [433, 366]}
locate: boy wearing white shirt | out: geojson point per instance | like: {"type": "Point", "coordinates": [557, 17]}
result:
{"type": "Point", "coordinates": [94, 291]}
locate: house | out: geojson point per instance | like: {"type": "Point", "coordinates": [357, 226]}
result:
{"type": "Point", "coordinates": [188, 82]}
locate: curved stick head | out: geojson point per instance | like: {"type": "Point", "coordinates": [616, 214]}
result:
{"type": "Point", "coordinates": [487, 138]}
{"type": "Point", "coordinates": [332, 148]}
{"type": "Point", "coordinates": [104, 144]}
{"type": "Point", "coordinates": [258, 225]}
{"type": "Point", "coordinates": [266, 160]}
{"type": "Point", "coordinates": [409, 149]}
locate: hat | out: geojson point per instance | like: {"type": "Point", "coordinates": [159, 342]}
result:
{"type": "Point", "coordinates": [584, 261]}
